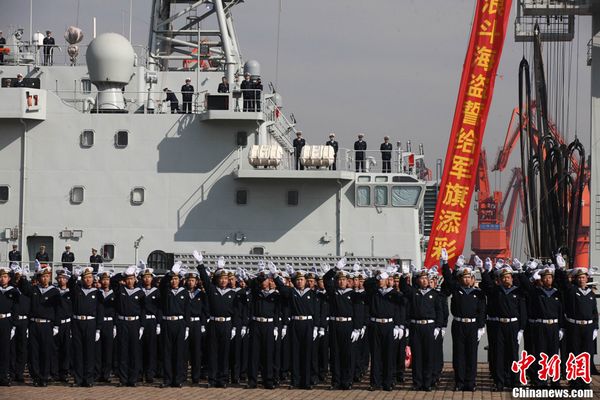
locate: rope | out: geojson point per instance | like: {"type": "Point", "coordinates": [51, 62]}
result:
{"type": "Point", "coordinates": [278, 40]}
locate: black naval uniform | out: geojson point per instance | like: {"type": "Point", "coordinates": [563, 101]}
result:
{"type": "Point", "coordinates": [236, 346]}
{"type": "Point", "coordinates": [48, 43]}
{"type": "Point", "coordinates": [88, 317]}
{"type": "Point", "coordinates": [151, 319]}
{"type": "Point", "coordinates": [425, 314]}
{"type": "Point", "coordinates": [44, 302]}
{"type": "Point", "coordinates": [67, 259]}
{"type": "Point", "coordinates": [264, 311]}
{"type": "Point", "coordinates": [105, 347]}
{"type": "Point", "coordinates": [187, 92]}
{"type": "Point", "coordinates": [14, 255]}
{"type": "Point", "coordinates": [468, 311]}
{"type": "Point", "coordinates": [19, 351]}
{"type": "Point", "coordinates": [304, 310]}
{"type": "Point", "coordinates": [359, 152]}
{"type": "Point", "coordinates": [385, 313]}
{"type": "Point", "coordinates": [224, 315]}
{"type": "Point", "coordinates": [298, 143]}
{"type": "Point", "coordinates": [335, 145]}
{"type": "Point", "coordinates": [62, 360]}
{"type": "Point", "coordinates": [386, 157]}
{"type": "Point", "coordinates": [129, 306]}
{"type": "Point", "coordinates": [438, 353]}
{"type": "Point", "coordinates": [361, 347]}
{"type": "Point", "coordinates": [247, 87]}
{"type": "Point", "coordinates": [581, 315]}
{"type": "Point", "coordinates": [197, 321]}
{"type": "Point", "coordinates": [9, 296]}
{"type": "Point", "coordinates": [175, 311]}
{"type": "Point", "coordinates": [507, 309]}
{"type": "Point", "coordinates": [95, 261]}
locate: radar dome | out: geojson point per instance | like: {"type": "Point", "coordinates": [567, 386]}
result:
{"type": "Point", "coordinates": [252, 67]}
{"type": "Point", "coordinates": [110, 58]}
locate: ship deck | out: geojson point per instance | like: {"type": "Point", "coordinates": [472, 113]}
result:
{"type": "Point", "coordinates": [236, 392]}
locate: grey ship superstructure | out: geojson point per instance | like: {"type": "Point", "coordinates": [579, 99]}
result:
{"type": "Point", "coordinates": [91, 155]}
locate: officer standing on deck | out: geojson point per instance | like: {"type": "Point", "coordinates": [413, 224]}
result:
{"type": "Point", "coordinates": [95, 260]}
{"type": "Point", "coordinates": [187, 93]}
{"type": "Point", "coordinates": [67, 258]}
{"type": "Point", "coordinates": [359, 153]}
{"type": "Point", "coordinates": [8, 297]}
{"type": "Point", "coordinates": [426, 320]}
{"type": "Point", "coordinates": [43, 324]}
{"type": "Point", "coordinates": [14, 254]}
{"type": "Point", "coordinates": [581, 313]}
{"type": "Point", "coordinates": [298, 143]}
{"type": "Point", "coordinates": [468, 324]}
{"type": "Point", "coordinates": [48, 43]}
{"type": "Point", "coordinates": [333, 143]}
{"type": "Point", "coordinates": [224, 315]}
{"type": "Point", "coordinates": [151, 324]}
{"type": "Point", "coordinates": [386, 155]}
{"type": "Point", "coordinates": [88, 316]}
{"type": "Point", "coordinates": [507, 308]}
{"type": "Point", "coordinates": [247, 88]}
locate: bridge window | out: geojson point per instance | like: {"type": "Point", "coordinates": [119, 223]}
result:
{"type": "Point", "coordinates": [292, 197]}
{"type": "Point", "coordinates": [121, 139]}
{"type": "Point", "coordinates": [364, 178]}
{"type": "Point", "coordinates": [77, 194]}
{"type": "Point", "coordinates": [363, 196]}
{"type": "Point", "coordinates": [241, 196]}
{"type": "Point", "coordinates": [137, 195]}
{"type": "Point", "coordinates": [3, 193]}
{"type": "Point", "coordinates": [108, 252]}
{"type": "Point", "coordinates": [381, 195]}
{"type": "Point", "coordinates": [405, 196]}
{"type": "Point", "coordinates": [87, 138]}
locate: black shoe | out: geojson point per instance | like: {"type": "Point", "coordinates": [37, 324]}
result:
{"type": "Point", "coordinates": [134, 384]}
{"type": "Point", "coordinates": [334, 387]}
{"type": "Point", "coordinates": [251, 386]}
{"type": "Point", "coordinates": [400, 379]}
{"type": "Point", "coordinates": [44, 384]}
{"type": "Point", "coordinates": [387, 388]}
{"type": "Point", "coordinates": [426, 389]}
{"type": "Point", "coordinates": [269, 387]}
{"type": "Point", "coordinates": [149, 380]}
{"type": "Point", "coordinates": [497, 388]}
{"type": "Point", "coordinates": [164, 385]}
{"type": "Point", "coordinates": [374, 388]}
{"type": "Point", "coordinates": [5, 383]}
{"type": "Point", "coordinates": [459, 388]}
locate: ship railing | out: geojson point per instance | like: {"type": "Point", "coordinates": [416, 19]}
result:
{"type": "Point", "coordinates": [280, 127]}
{"type": "Point", "coordinates": [56, 265]}
{"type": "Point", "coordinates": [25, 54]}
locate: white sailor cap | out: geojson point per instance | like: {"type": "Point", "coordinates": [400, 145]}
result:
{"type": "Point", "coordinates": [382, 276]}
{"type": "Point", "coordinates": [579, 271]}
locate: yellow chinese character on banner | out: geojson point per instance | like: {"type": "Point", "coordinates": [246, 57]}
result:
{"type": "Point", "coordinates": [461, 167]}
{"type": "Point", "coordinates": [484, 56]}
{"type": "Point", "coordinates": [456, 195]}
{"type": "Point", "coordinates": [443, 243]}
{"type": "Point", "coordinates": [466, 141]}
{"type": "Point", "coordinates": [449, 221]}
{"type": "Point", "coordinates": [489, 29]}
{"type": "Point", "coordinates": [471, 110]}
{"type": "Point", "coordinates": [477, 86]}
{"type": "Point", "coordinates": [492, 6]}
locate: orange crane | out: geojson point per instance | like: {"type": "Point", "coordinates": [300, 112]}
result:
{"type": "Point", "coordinates": [492, 236]}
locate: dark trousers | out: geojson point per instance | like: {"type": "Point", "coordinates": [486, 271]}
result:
{"type": "Point", "coordinates": [174, 108]}
{"type": "Point", "coordinates": [333, 166]}
{"type": "Point", "coordinates": [173, 349]}
{"type": "Point", "coordinates": [438, 358]}
{"type": "Point", "coordinates": [286, 354]}
{"type": "Point", "coordinates": [248, 103]}
{"type": "Point", "coordinates": [261, 352]}
{"type": "Point", "coordinates": [149, 349]}
{"type": "Point", "coordinates": [61, 364]}
{"type": "Point", "coordinates": [187, 106]}
{"type": "Point", "coordinates": [506, 351]}
{"type": "Point", "coordinates": [422, 345]}
{"type": "Point", "coordinates": [324, 356]}
{"type": "Point", "coordinates": [382, 345]}
{"type": "Point", "coordinates": [104, 351]}
{"type": "Point", "coordinates": [464, 353]}
{"type": "Point", "coordinates": [41, 349]}
{"type": "Point", "coordinates": [235, 357]}
{"type": "Point", "coordinates": [18, 350]}
{"type": "Point", "coordinates": [219, 341]}
{"type": "Point", "coordinates": [544, 339]}
{"type": "Point", "coordinates": [579, 340]}
{"type": "Point", "coordinates": [341, 359]}
{"type": "Point", "coordinates": [360, 164]}
{"type": "Point", "coordinates": [84, 351]}
{"type": "Point", "coordinates": [301, 348]}
{"type": "Point", "coordinates": [297, 163]}
{"type": "Point", "coordinates": [387, 166]}
{"type": "Point", "coordinates": [401, 359]}
{"type": "Point", "coordinates": [5, 329]}
{"type": "Point", "coordinates": [491, 326]}
{"type": "Point", "coordinates": [47, 55]}
{"type": "Point", "coordinates": [194, 344]}
{"type": "Point", "coordinates": [129, 350]}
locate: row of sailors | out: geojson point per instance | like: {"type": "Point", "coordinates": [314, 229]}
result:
{"type": "Point", "coordinates": [271, 324]}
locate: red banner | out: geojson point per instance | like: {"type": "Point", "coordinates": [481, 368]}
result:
{"type": "Point", "coordinates": [450, 223]}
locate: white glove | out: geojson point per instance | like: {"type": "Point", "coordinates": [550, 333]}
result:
{"type": "Point", "coordinates": [480, 333]}
{"type": "Point", "coordinates": [97, 335]}
{"type": "Point", "coordinates": [478, 262]}
{"type": "Point", "coordinates": [272, 268]}
{"type": "Point", "coordinates": [560, 261]}
{"type": "Point", "coordinates": [460, 261]}
{"type": "Point", "coordinates": [443, 332]}
{"type": "Point", "coordinates": [325, 268]}
{"type": "Point", "coordinates": [536, 275]}
{"type": "Point", "coordinates": [141, 332]}
{"type": "Point", "coordinates": [487, 266]}
{"type": "Point", "coordinates": [55, 331]}
{"type": "Point", "coordinates": [176, 268]}
{"type": "Point", "coordinates": [114, 332]}
{"type": "Point", "coordinates": [289, 269]}
{"type": "Point", "coordinates": [413, 269]}
{"type": "Point", "coordinates": [531, 265]}
{"type": "Point", "coordinates": [158, 329]}
{"type": "Point", "coordinates": [517, 265]}
{"type": "Point", "coordinates": [283, 331]}
{"type": "Point", "coordinates": [275, 333]}
{"type": "Point", "coordinates": [221, 262]}
{"type": "Point", "coordinates": [519, 336]}
{"type": "Point", "coordinates": [561, 334]}
{"type": "Point", "coordinates": [202, 329]}
{"type": "Point", "coordinates": [444, 256]}
{"type": "Point", "coordinates": [363, 330]}
{"type": "Point", "coordinates": [198, 256]}
{"type": "Point", "coordinates": [398, 333]}
{"type": "Point", "coordinates": [405, 269]}
{"type": "Point", "coordinates": [341, 263]}
{"type": "Point", "coordinates": [131, 270]}
{"type": "Point", "coordinates": [26, 270]}
{"type": "Point", "coordinates": [595, 334]}
{"type": "Point", "coordinates": [77, 271]}
{"type": "Point", "coordinates": [187, 334]}
{"type": "Point", "coordinates": [499, 263]}
{"type": "Point", "coordinates": [355, 335]}
{"type": "Point", "coordinates": [436, 332]}
{"type": "Point", "coordinates": [233, 331]}
{"type": "Point", "coordinates": [356, 267]}
{"type": "Point", "coordinates": [243, 331]}
{"type": "Point", "coordinates": [406, 333]}
{"type": "Point", "coordinates": [315, 333]}
{"type": "Point", "coordinates": [321, 332]}
{"type": "Point", "coordinates": [13, 330]}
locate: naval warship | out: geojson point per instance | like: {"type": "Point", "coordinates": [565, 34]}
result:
{"type": "Point", "coordinates": [92, 156]}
